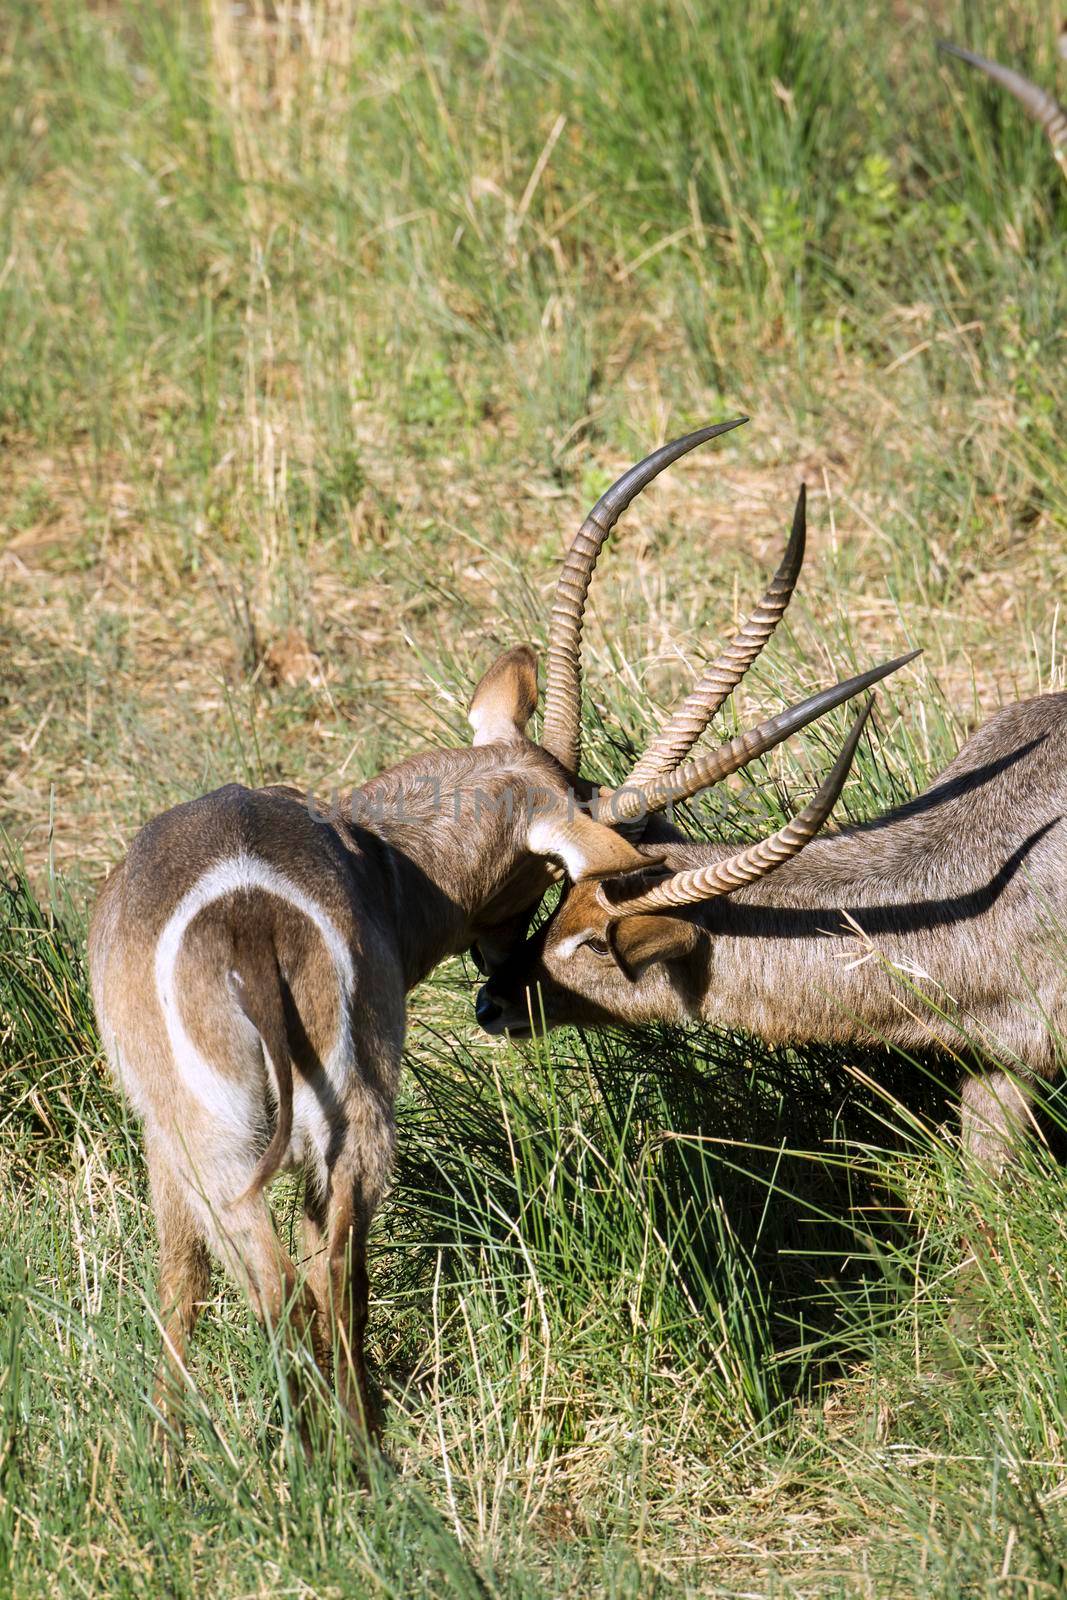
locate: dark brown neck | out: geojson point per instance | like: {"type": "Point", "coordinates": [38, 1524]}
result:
{"type": "Point", "coordinates": [451, 829]}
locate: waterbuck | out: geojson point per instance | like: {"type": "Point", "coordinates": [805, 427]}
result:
{"type": "Point", "coordinates": [251, 956]}
{"type": "Point", "coordinates": [936, 921]}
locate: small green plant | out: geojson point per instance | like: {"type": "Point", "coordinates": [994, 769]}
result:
{"type": "Point", "coordinates": [870, 205]}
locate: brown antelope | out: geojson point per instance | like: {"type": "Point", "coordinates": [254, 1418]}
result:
{"type": "Point", "coordinates": [251, 956]}
{"type": "Point", "coordinates": [936, 921]}
{"type": "Point", "coordinates": [1038, 104]}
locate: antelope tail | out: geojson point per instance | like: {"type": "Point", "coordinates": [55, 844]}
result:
{"type": "Point", "coordinates": [256, 985]}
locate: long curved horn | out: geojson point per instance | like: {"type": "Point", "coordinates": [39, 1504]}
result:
{"type": "Point", "coordinates": [1043, 107]}
{"type": "Point", "coordinates": [708, 883]}
{"type": "Point", "coordinates": [562, 727]}
{"type": "Point", "coordinates": [626, 805]}
{"type": "Point", "coordinates": [685, 727]}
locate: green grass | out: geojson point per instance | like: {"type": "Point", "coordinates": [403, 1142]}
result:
{"type": "Point", "coordinates": [321, 331]}
{"type": "Point", "coordinates": [667, 1314]}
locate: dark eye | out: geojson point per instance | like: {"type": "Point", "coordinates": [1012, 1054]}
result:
{"type": "Point", "coordinates": [599, 947]}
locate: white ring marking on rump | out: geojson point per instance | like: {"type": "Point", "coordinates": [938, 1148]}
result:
{"type": "Point", "coordinates": [223, 1098]}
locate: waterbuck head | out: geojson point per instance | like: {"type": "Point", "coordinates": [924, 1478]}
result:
{"type": "Point", "coordinates": [615, 949]}
{"type": "Point", "coordinates": [633, 947]}
{"type": "Point", "coordinates": [492, 826]}
{"type": "Point", "coordinates": [564, 834]}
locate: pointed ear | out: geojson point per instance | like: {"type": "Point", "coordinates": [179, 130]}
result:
{"type": "Point", "coordinates": [506, 698]}
{"type": "Point", "coordinates": [587, 849]}
{"type": "Point", "coordinates": [637, 943]}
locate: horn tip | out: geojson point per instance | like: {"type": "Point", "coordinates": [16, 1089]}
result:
{"type": "Point", "coordinates": [798, 534]}
{"type": "Point", "coordinates": [971, 57]}
{"type": "Point", "coordinates": [713, 429]}
{"type": "Point", "coordinates": [866, 680]}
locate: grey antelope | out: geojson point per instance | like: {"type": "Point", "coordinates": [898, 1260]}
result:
{"type": "Point", "coordinates": [938, 917]}
{"type": "Point", "coordinates": [1038, 104]}
{"type": "Point", "coordinates": [251, 956]}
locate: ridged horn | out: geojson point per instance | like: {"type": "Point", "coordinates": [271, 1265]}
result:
{"type": "Point", "coordinates": [708, 883]}
{"type": "Point", "coordinates": [625, 805]}
{"type": "Point", "coordinates": [1043, 107]}
{"type": "Point", "coordinates": [677, 738]}
{"type": "Point", "coordinates": [562, 726]}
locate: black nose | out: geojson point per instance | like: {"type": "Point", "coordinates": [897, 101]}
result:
{"type": "Point", "coordinates": [485, 1007]}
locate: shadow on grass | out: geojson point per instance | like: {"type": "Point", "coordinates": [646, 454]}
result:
{"type": "Point", "coordinates": [762, 1193]}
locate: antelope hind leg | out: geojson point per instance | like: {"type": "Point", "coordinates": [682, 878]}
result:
{"type": "Point", "coordinates": [184, 1281]}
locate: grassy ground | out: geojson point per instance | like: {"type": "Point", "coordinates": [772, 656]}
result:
{"type": "Point", "coordinates": [322, 324]}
